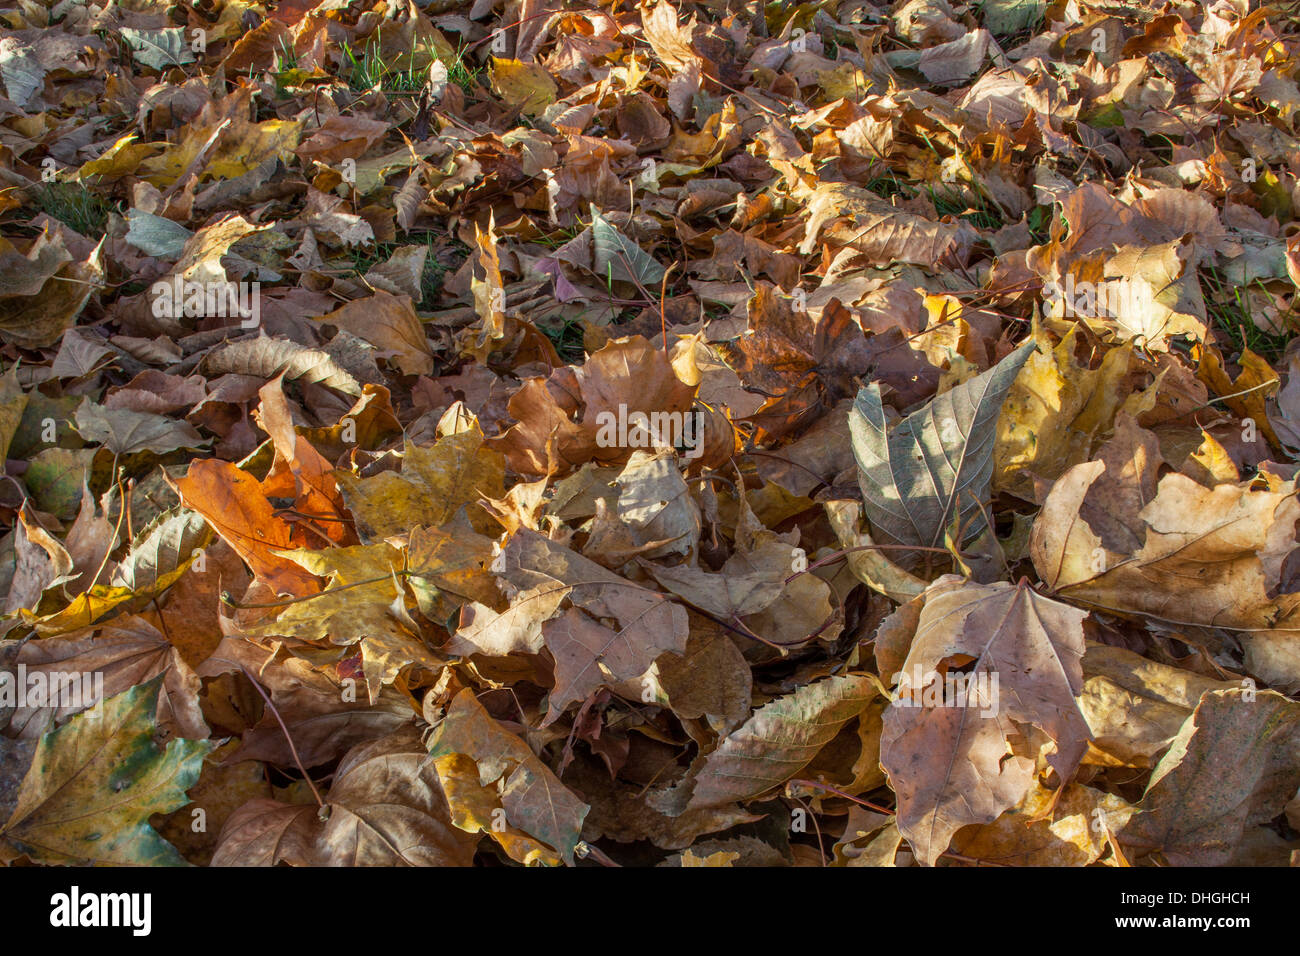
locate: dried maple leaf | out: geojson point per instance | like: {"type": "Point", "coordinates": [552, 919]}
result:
{"type": "Point", "coordinates": [1230, 540]}
{"type": "Point", "coordinates": [948, 758]}
{"type": "Point", "coordinates": [385, 807]}
{"type": "Point", "coordinates": [626, 378]}
{"type": "Point", "coordinates": [588, 654]}
{"type": "Point", "coordinates": [434, 484]}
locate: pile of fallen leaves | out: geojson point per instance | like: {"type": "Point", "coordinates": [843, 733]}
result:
{"type": "Point", "coordinates": [541, 431]}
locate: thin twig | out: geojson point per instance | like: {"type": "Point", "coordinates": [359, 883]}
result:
{"type": "Point", "coordinates": [280, 720]}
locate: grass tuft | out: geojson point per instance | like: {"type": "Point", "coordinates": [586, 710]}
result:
{"type": "Point", "coordinates": [75, 206]}
{"type": "Point", "coordinates": [1229, 310]}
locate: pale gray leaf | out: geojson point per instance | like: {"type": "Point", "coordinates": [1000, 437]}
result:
{"type": "Point", "coordinates": [617, 257]}
{"type": "Point", "coordinates": [935, 465]}
{"type": "Point", "coordinates": [156, 235]}
{"type": "Point", "coordinates": [159, 49]}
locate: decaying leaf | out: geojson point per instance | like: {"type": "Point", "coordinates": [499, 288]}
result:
{"type": "Point", "coordinates": [932, 469]}
{"type": "Point", "coordinates": [1232, 763]}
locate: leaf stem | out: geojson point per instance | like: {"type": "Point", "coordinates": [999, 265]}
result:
{"type": "Point", "coordinates": [280, 720]}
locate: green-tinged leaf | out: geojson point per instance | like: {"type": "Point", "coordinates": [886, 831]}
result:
{"type": "Point", "coordinates": [616, 256]}
{"type": "Point", "coordinates": [1005, 17]}
{"type": "Point", "coordinates": [159, 49]}
{"type": "Point", "coordinates": [95, 781]}
{"type": "Point", "coordinates": [56, 479]}
{"type": "Point", "coordinates": [156, 235]}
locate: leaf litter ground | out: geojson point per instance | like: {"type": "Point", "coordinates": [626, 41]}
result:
{"type": "Point", "coordinates": [686, 434]}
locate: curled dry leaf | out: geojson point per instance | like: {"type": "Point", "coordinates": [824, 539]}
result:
{"type": "Point", "coordinates": [778, 741]}
{"type": "Point", "coordinates": [531, 795]}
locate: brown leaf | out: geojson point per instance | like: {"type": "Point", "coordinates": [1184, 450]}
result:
{"type": "Point", "coordinates": [385, 808]}
{"type": "Point", "coordinates": [946, 753]}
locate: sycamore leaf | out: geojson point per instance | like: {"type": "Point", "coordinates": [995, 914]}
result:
{"type": "Point", "coordinates": [1054, 412]}
{"type": "Point", "coordinates": [711, 679]}
{"type": "Point", "coordinates": [232, 502]}
{"type": "Point", "coordinates": [389, 323]}
{"type": "Point", "coordinates": [325, 718]}
{"type": "Point", "coordinates": [526, 86]}
{"type": "Point", "coordinates": [81, 355]}
{"type": "Point", "coordinates": [123, 654]}
{"type": "Point", "coordinates": [516, 630]}
{"type": "Point", "coordinates": [363, 603]}
{"type": "Point", "coordinates": [1049, 829]}
{"type": "Point", "coordinates": [477, 809]}
{"type": "Point", "coordinates": [1135, 707]}
{"type": "Point", "coordinates": [589, 654]}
